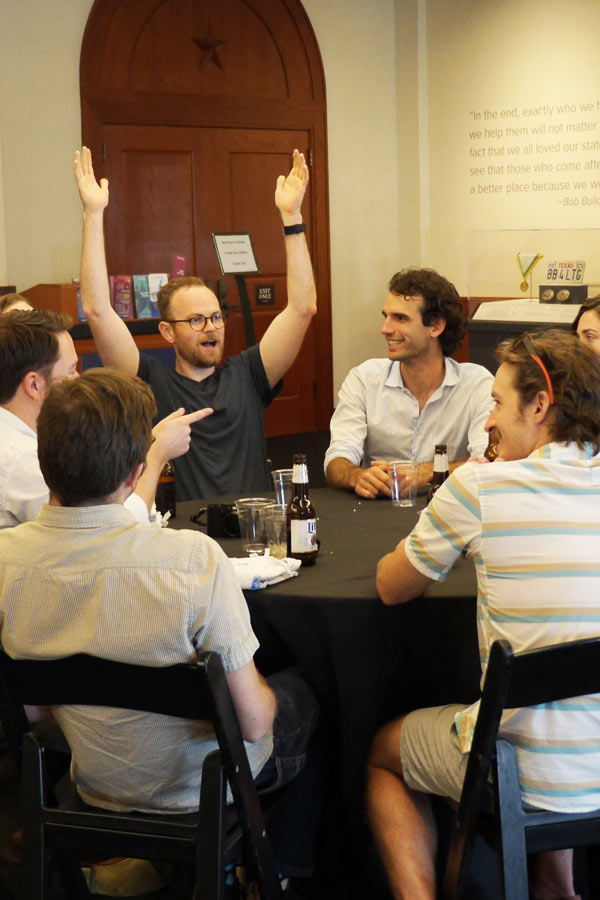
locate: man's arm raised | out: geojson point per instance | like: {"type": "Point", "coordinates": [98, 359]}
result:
{"type": "Point", "coordinates": [113, 339]}
{"type": "Point", "coordinates": [283, 338]}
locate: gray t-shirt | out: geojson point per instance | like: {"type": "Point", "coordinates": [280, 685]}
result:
{"type": "Point", "coordinates": [228, 452]}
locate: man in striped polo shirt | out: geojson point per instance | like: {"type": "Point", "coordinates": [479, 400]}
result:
{"type": "Point", "coordinates": [530, 523]}
{"type": "Point", "coordinates": [402, 406]}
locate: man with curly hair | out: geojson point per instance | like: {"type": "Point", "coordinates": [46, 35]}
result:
{"type": "Point", "coordinates": [529, 521]}
{"type": "Point", "coordinates": [402, 406]}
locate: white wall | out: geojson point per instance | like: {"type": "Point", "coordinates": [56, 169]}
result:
{"type": "Point", "coordinates": [3, 266]}
{"type": "Point", "coordinates": [500, 75]}
{"type": "Point", "coordinates": [357, 43]}
{"type": "Point", "coordinates": [40, 128]}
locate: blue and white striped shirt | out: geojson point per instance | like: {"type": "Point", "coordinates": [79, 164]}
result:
{"type": "Point", "coordinates": [532, 527]}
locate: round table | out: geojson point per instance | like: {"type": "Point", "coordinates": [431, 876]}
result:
{"type": "Point", "coordinates": [366, 662]}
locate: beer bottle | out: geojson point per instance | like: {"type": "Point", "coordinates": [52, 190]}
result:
{"type": "Point", "coordinates": [301, 517]}
{"type": "Point", "coordinates": [165, 491]}
{"type": "Point", "coordinates": [492, 448]}
{"type": "Point", "coordinates": [440, 469]}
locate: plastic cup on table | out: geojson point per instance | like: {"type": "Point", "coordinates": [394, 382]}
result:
{"type": "Point", "coordinates": [282, 483]}
{"type": "Point", "coordinates": [250, 512]}
{"type": "Point", "coordinates": [403, 476]}
{"type": "Point", "coordinates": [276, 529]}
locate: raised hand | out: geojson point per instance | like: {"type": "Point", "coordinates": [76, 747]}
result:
{"type": "Point", "coordinates": [94, 196]}
{"type": "Point", "coordinates": [290, 191]}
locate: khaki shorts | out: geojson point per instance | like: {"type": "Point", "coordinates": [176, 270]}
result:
{"type": "Point", "coordinates": [432, 760]}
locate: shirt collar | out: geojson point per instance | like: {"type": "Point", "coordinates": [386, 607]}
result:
{"type": "Point", "coordinates": [451, 374]}
{"type": "Point", "coordinates": [566, 451]}
{"type": "Point", "coordinates": [84, 516]}
{"type": "Point", "coordinates": [15, 422]}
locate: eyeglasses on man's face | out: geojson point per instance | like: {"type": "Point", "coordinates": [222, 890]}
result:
{"type": "Point", "coordinates": [198, 323]}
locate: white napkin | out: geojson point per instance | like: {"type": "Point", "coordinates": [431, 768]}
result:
{"type": "Point", "coordinates": [256, 572]}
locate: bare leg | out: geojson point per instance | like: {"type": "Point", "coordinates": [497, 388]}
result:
{"type": "Point", "coordinates": [552, 875]}
{"type": "Point", "coordinates": [402, 821]}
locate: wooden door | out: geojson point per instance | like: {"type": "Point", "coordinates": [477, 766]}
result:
{"type": "Point", "coordinates": [171, 187]}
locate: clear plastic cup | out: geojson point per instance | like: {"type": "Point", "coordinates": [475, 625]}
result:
{"type": "Point", "coordinates": [282, 483]}
{"type": "Point", "coordinates": [250, 512]}
{"type": "Point", "coordinates": [275, 516]}
{"type": "Point", "coordinates": [403, 476]}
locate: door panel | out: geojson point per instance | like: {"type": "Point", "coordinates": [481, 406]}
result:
{"type": "Point", "coordinates": [171, 187]}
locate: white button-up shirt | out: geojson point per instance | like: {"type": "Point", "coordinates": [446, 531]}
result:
{"type": "Point", "coordinates": [378, 418]}
{"type": "Point", "coordinates": [92, 580]}
{"type": "Point", "coordinates": [22, 487]}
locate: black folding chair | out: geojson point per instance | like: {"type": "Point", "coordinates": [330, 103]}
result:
{"type": "Point", "coordinates": [493, 805]}
{"type": "Point", "coordinates": [210, 840]}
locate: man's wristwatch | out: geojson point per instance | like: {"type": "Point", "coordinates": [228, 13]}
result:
{"type": "Point", "coordinates": [294, 229]}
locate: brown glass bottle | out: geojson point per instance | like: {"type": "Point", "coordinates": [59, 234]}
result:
{"type": "Point", "coordinates": [492, 448]}
{"type": "Point", "coordinates": [165, 491]}
{"type": "Point", "coordinates": [440, 469]}
{"type": "Point", "coordinates": [301, 517]}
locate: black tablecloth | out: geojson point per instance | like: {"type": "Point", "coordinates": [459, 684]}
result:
{"type": "Point", "coordinates": [366, 662]}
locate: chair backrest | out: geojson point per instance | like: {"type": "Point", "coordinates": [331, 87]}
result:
{"type": "Point", "coordinates": [189, 691]}
{"type": "Point", "coordinates": [527, 679]}
{"type": "Point", "coordinates": [512, 681]}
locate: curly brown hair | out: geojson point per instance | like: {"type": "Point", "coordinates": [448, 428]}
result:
{"type": "Point", "coordinates": [574, 372]}
{"type": "Point", "coordinates": [440, 301]}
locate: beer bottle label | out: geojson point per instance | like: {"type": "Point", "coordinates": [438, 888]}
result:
{"type": "Point", "coordinates": [303, 535]}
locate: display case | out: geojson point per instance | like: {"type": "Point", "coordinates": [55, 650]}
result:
{"type": "Point", "coordinates": [504, 289]}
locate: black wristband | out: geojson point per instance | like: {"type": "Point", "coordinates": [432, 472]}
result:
{"type": "Point", "coordinates": [294, 229]}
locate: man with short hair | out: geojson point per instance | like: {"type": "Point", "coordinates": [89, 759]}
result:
{"type": "Point", "coordinates": [117, 589]}
{"type": "Point", "coordinates": [36, 350]}
{"type": "Point", "coordinates": [530, 522]}
{"type": "Point", "coordinates": [228, 452]}
{"type": "Point", "coordinates": [13, 301]}
{"type": "Point", "coordinates": [402, 406]}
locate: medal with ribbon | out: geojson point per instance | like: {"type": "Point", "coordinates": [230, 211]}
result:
{"type": "Point", "coordinates": [526, 263]}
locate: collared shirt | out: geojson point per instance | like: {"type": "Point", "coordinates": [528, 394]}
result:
{"type": "Point", "coordinates": [378, 418]}
{"type": "Point", "coordinates": [92, 580]}
{"type": "Point", "coordinates": [533, 530]}
{"type": "Point", "coordinates": [22, 486]}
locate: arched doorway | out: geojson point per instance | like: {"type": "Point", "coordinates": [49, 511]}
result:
{"type": "Point", "coordinates": [191, 110]}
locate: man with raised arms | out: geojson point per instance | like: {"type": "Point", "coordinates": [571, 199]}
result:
{"type": "Point", "coordinates": [228, 451]}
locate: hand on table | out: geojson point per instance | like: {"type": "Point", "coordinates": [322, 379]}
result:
{"type": "Point", "coordinates": [374, 481]}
